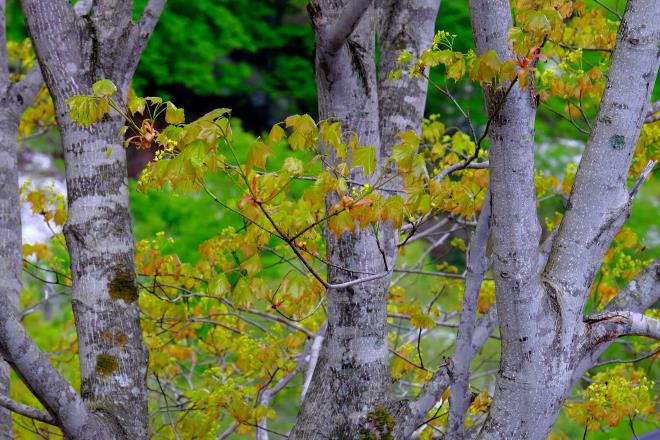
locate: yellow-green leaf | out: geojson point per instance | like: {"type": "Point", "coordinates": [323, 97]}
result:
{"type": "Point", "coordinates": [258, 154]}
{"type": "Point", "coordinates": [276, 134]}
{"type": "Point", "coordinates": [174, 115]}
{"type": "Point", "coordinates": [105, 87]}
{"type": "Point", "coordinates": [365, 157]}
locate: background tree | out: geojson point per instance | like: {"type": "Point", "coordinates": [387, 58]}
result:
{"type": "Point", "coordinates": [18, 91]}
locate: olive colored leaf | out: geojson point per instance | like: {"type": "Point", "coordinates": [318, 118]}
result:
{"type": "Point", "coordinates": [86, 110]}
{"type": "Point", "coordinates": [276, 134]}
{"type": "Point", "coordinates": [340, 223]}
{"type": "Point", "coordinates": [257, 156]}
{"type": "Point", "coordinates": [486, 67]}
{"type": "Point", "coordinates": [293, 166]}
{"type": "Point", "coordinates": [136, 104]}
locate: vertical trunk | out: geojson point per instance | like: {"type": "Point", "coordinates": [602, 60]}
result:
{"type": "Point", "coordinates": [532, 366]}
{"type": "Point", "coordinates": [352, 377]}
{"type": "Point", "coordinates": [113, 359]}
{"type": "Point", "coordinates": [543, 336]}
{"type": "Point", "coordinates": [402, 26]}
{"type": "Point", "coordinates": [10, 240]}
{"type": "Point", "coordinates": [74, 52]}
{"type": "Point", "coordinates": [352, 374]}
{"type": "Point", "coordinates": [31, 365]}
{"type": "Point", "coordinates": [10, 218]}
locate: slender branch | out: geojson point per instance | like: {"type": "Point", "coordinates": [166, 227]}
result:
{"type": "Point", "coordinates": [653, 114]}
{"type": "Point", "coordinates": [642, 177]}
{"type": "Point", "coordinates": [26, 410]}
{"type": "Point", "coordinates": [313, 358]}
{"type": "Point", "coordinates": [610, 10]}
{"type": "Point", "coordinates": [432, 229]}
{"type": "Point", "coordinates": [585, 49]}
{"type": "Point", "coordinates": [461, 166]}
{"type": "Point", "coordinates": [268, 394]}
{"type": "Point", "coordinates": [229, 431]}
{"type": "Point", "coordinates": [605, 327]}
{"type": "Point", "coordinates": [26, 89]}
{"type": "Point", "coordinates": [169, 413]}
{"type": "Point", "coordinates": [628, 361]}
{"type": "Point", "coordinates": [477, 265]}
{"type": "Point", "coordinates": [640, 293]}
{"type": "Point", "coordinates": [414, 413]}
{"type": "Point", "coordinates": [432, 273]}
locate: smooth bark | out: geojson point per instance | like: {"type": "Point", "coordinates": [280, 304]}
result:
{"type": "Point", "coordinates": [477, 264]}
{"type": "Point", "coordinates": [544, 333]}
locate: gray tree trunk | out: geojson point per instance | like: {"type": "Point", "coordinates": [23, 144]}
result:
{"type": "Point", "coordinates": [10, 241]}
{"type": "Point", "coordinates": [544, 338]}
{"type": "Point", "coordinates": [76, 48]}
{"type": "Point", "coordinates": [352, 375]}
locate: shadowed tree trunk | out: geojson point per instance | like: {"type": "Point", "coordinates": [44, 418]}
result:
{"type": "Point", "coordinates": [14, 98]}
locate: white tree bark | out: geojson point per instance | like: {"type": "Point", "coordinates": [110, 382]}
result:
{"type": "Point", "coordinates": [74, 52]}
{"type": "Point", "coordinates": [541, 317]}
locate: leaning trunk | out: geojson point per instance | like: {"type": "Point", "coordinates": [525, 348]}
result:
{"type": "Point", "coordinates": [10, 243]}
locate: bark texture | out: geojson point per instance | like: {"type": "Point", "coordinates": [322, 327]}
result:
{"type": "Point", "coordinates": [544, 332]}
{"type": "Point", "coordinates": [477, 264]}
{"type": "Point", "coordinates": [103, 42]}
{"type": "Point", "coordinates": [352, 375]}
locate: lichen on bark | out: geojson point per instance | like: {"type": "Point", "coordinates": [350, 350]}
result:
{"type": "Point", "coordinates": [106, 364]}
{"type": "Point", "coordinates": [122, 286]}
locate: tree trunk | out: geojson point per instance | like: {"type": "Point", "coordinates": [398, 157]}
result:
{"type": "Point", "coordinates": [75, 52]}
{"type": "Point", "coordinates": [352, 377]}
{"type": "Point", "coordinates": [353, 367]}
{"type": "Point", "coordinates": [113, 359]}
{"type": "Point", "coordinates": [10, 241]}
{"type": "Point", "coordinates": [541, 317]}
{"type": "Point", "coordinates": [14, 98]}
